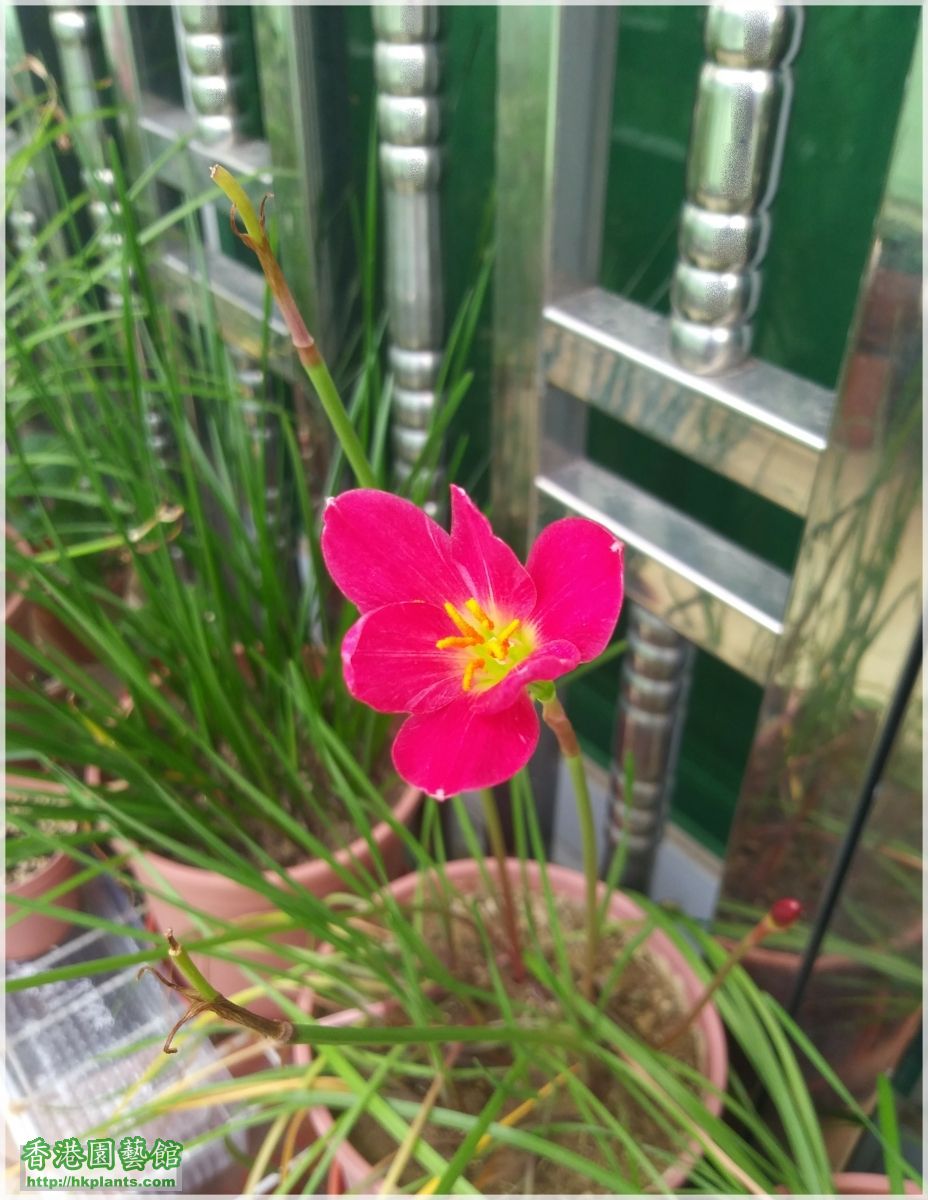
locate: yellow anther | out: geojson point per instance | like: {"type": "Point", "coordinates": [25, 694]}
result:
{"type": "Point", "coordinates": [465, 628]}
{"type": "Point", "coordinates": [470, 671]}
{"type": "Point", "coordinates": [474, 608]}
{"type": "Point", "coordinates": [491, 647]}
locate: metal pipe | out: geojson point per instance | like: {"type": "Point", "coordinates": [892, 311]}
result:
{"type": "Point", "coordinates": [735, 147]}
{"type": "Point", "coordinates": [407, 68]}
{"type": "Point", "coordinates": [556, 67]}
{"type": "Point", "coordinates": [74, 29]}
{"type": "Point", "coordinates": [208, 80]}
{"type": "Point", "coordinates": [739, 123]}
{"type": "Point", "coordinates": [656, 675]}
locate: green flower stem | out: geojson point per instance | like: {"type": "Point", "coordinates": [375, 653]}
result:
{"type": "Point", "coordinates": [190, 970]}
{"type": "Point", "coordinates": [166, 515]}
{"type": "Point", "coordinates": [557, 720]}
{"type": "Point", "coordinates": [337, 414]}
{"type": "Point", "coordinates": [203, 997]}
{"type": "Point", "coordinates": [498, 846]}
{"type": "Point", "coordinates": [256, 239]}
{"type": "Point", "coordinates": [767, 925]}
{"type": "Point", "coordinates": [413, 1035]}
{"type": "Point", "coordinates": [590, 868]}
{"type": "Point", "coordinates": [112, 541]}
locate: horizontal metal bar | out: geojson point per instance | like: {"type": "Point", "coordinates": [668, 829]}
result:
{"type": "Point", "coordinates": [238, 294]}
{"type": "Point", "coordinates": [759, 426]}
{"type": "Point", "coordinates": [162, 125]}
{"type": "Point", "coordinates": [724, 599]}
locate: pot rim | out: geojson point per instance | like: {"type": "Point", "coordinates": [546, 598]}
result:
{"type": "Point", "coordinates": [50, 787]}
{"type": "Point", "coordinates": [52, 866]}
{"type": "Point", "coordinates": [403, 810]}
{"type": "Point", "coordinates": [868, 1183]}
{"type": "Point", "coordinates": [786, 960]}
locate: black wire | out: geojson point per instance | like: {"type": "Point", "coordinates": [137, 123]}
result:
{"type": "Point", "coordinates": [848, 848]}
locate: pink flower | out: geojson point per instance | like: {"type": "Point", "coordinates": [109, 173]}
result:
{"type": "Point", "coordinates": [453, 628]}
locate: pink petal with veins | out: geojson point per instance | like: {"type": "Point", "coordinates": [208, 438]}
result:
{"type": "Point", "coordinates": [459, 749]}
{"type": "Point", "coordinates": [577, 567]}
{"type": "Point", "coordinates": [381, 549]}
{"type": "Point", "coordinates": [494, 576]}
{"type": "Point", "coordinates": [391, 661]}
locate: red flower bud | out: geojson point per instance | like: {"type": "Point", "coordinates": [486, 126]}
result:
{"type": "Point", "coordinates": [784, 912]}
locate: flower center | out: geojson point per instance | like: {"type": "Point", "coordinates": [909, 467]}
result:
{"type": "Point", "coordinates": [491, 648]}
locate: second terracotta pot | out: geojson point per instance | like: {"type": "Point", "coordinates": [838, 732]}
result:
{"type": "Point", "coordinates": [217, 896]}
{"type": "Point", "coordinates": [37, 932]}
{"type": "Point", "coordinates": [17, 615]}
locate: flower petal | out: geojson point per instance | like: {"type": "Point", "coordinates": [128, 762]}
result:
{"type": "Point", "coordinates": [381, 549]}
{"type": "Point", "coordinates": [391, 661]}
{"type": "Point", "coordinates": [458, 748]}
{"type": "Point", "coordinates": [548, 662]}
{"type": "Point", "coordinates": [577, 567]}
{"type": "Point", "coordinates": [493, 573]}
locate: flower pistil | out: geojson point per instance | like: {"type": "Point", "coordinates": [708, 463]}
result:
{"type": "Point", "coordinates": [492, 651]}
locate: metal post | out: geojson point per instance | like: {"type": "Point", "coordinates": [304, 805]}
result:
{"type": "Point", "coordinates": [207, 79]}
{"type": "Point", "coordinates": [26, 206]}
{"type": "Point", "coordinates": [556, 73]}
{"type": "Point", "coordinates": [302, 75]}
{"type": "Point", "coordinates": [207, 85]}
{"type": "Point", "coordinates": [652, 704]}
{"type": "Point", "coordinates": [73, 29]}
{"type": "Point", "coordinates": [554, 102]}
{"type": "Point", "coordinates": [735, 146]}
{"type": "Point", "coordinates": [211, 89]}
{"type": "Point", "coordinates": [407, 68]}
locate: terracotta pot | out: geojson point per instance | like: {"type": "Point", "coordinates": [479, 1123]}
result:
{"type": "Point", "coordinates": [859, 1183]}
{"type": "Point", "coordinates": [37, 933]}
{"type": "Point", "coordinates": [50, 631]}
{"type": "Point", "coordinates": [859, 1017]}
{"type": "Point", "coordinates": [18, 617]}
{"type": "Point", "coordinates": [466, 877]}
{"type": "Point", "coordinates": [43, 628]}
{"type": "Point", "coordinates": [858, 1050]}
{"type": "Point", "coordinates": [860, 1043]}
{"type": "Point", "coordinates": [217, 896]}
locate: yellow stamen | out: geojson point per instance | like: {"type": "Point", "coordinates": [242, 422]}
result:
{"type": "Point", "coordinates": [470, 671]}
{"type": "Point", "coordinates": [496, 650]}
{"type": "Point", "coordinates": [465, 628]}
{"type": "Point", "coordinates": [473, 607]}
{"type": "Point", "coordinates": [483, 645]}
